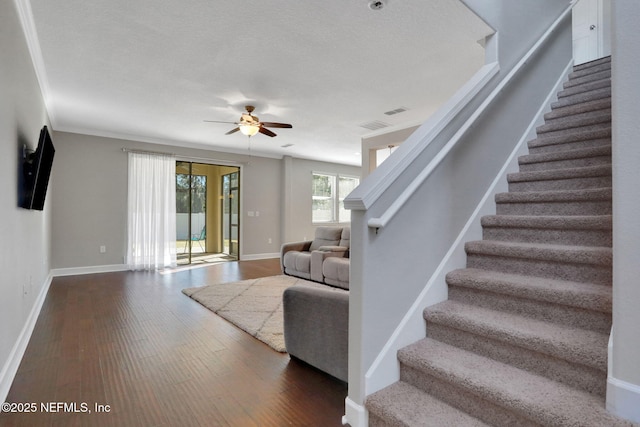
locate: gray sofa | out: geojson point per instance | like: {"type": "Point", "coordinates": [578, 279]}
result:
{"type": "Point", "coordinates": [325, 259]}
{"type": "Point", "coordinates": [316, 315]}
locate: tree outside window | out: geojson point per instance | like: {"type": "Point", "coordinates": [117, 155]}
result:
{"type": "Point", "coordinates": [328, 198]}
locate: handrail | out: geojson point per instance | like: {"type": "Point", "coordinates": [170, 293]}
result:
{"type": "Point", "coordinates": [383, 220]}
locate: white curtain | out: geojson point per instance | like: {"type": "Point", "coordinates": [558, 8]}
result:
{"type": "Point", "coordinates": [151, 211]}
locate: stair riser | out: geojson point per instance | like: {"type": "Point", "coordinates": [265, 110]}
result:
{"type": "Point", "coordinates": [578, 98]}
{"type": "Point", "coordinates": [587, 87]}
{"type": "Point", "coordinates": [572, 122]}
{"type": "Point", "coordinates": [562, 184]}
{"type": "Point", "coordinates": [588, 273]}
{"type": "Point", "coordinates": [572, 374]}
{"type": "Point", "coordinates": [540, 310]}
{"type": "Point", "coordinates": [606, 74]}
{"type": "Point", "coordinates": [605, 66]}
{"type": "Point", "coordinates": [574, 145]}
{"type": "Point", "coordinates": [572, 110]}
{"type": "Point", "coordinates": [572, 136]}
{"type": "Point", "coordinates": [555, 208]}
{"type": "Point", "coordinates": [602, 128]}
{"type": "Point", "coordinates": [565, 164]}
{"type": "Point", "coordinates": [551, 236]}
{"type": "Point", "coordinates": [463, 399]}
{"type": "Point", "coordinates": [591, 64]}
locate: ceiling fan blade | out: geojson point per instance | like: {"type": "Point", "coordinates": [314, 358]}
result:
{"type": "Point", "coordinates": [276, 125]}
{"type": "Point", "coordinates": [217, 121]}
{"type": "Point", "coordinates": [232, 131]}
{"type": "Point", "coordinates": [266, 131]}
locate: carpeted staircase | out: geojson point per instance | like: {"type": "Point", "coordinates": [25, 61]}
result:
{"type": "Point", "coordinates": [522, 340]}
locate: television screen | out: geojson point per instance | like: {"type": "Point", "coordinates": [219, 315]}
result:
{"type": "Point", "coordinates": [36, 169]}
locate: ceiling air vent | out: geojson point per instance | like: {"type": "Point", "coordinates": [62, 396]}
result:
{"type": "Point", "coordinates": [396, 111]}
{"type": "Point", "coordinates": [286, 145]}
{"type": "Point", "coordinates": [374, 125]}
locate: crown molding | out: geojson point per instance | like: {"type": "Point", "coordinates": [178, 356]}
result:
{"type": "Point", "coordinates": [25, 14]}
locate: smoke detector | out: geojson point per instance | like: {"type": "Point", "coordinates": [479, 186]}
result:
{"type": "Point", "coordinates": [376, 4]}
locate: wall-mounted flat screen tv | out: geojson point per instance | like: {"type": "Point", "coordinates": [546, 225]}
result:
{"type": "Point", "coordinates": [37, 169]}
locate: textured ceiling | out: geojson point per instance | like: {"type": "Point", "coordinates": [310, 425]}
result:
{"type": "Point", "coordinates": [153, 70]}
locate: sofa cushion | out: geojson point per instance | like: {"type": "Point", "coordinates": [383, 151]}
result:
{"type": "Point", "coordinates": [336, 272]}
{"type": "Point", "coordinates": [326, 236]}
{"type": "Point", "coordinates": [298, 263]}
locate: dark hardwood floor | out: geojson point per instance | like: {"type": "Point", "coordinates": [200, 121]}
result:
{"type": "Point", "coordinates": [132, 342]}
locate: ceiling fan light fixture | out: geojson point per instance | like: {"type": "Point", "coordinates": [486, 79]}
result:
{"type": "Point", "coordinates": [249, 129]}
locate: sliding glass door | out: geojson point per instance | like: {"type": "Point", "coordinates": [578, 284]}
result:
{"type": "Point", "coordinates": [207, 220]}
{"type": "Point", "coordinates": [230, 210]}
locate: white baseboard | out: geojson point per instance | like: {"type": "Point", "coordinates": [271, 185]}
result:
{"type": "Point", "coordinates": [254, 257]}
{"type": "Point", "coordinates": [10, 368]}
{"type": "Point", "coordinates": [355, 415]}
{"type": "Point", "coordinates": [623, 399]}
{"type": "Point", "coordinates": [74, 271]}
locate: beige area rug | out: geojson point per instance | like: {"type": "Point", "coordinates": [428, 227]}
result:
{"type": "Point", "coordinates": [253, 305]}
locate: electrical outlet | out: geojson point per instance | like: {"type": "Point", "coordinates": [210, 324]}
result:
{"type": "Point", "coordinates": [270, 240]}
{"type": "Point", "coordinates": [103, 249]}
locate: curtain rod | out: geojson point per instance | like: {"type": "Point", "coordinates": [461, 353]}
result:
{"type": "Point", "coordinates": [179, 156]}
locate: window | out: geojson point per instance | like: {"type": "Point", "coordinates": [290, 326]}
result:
{"type": "Point", "coordinates": [328, 198]}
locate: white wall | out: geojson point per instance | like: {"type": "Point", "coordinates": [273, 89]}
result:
{"type": "Point", "coordinates": [25, 235]}
{"type": "Point", "coordinates": [623, 393]}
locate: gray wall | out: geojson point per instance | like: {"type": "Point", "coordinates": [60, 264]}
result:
{"type": "Point", "coordinates": [24, 246]}
{"type": "Point", "coordinates": [425, 228]}
{"type": "Point", "coordinates": [297, 222]}
{"type": "Point", "coordinates": [90, 202]}
{"type": "Point", "coordinates": [626, 207]}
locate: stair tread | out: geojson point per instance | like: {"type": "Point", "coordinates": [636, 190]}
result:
{"type": "Point", "coordinates": [580, 108]}
{"type": "Point", "coordinates": [564, 292]}
{"type": "Point", "coordinates": [596, 128]}
{"type": "Point", "coordinates": [597, 255]}
{"type": "Point", "coordinates": [569, 136]}
{"type": "Point", "coordinates": [405, 404]}
{"type": "Point", "coordinates": [594, 68]}
{"type": "Point", "coordinates": [575, 153]}
{"type": "Point", "coordinates": [546, 401]}
{"type": "Point", "coordinates": [585, 87]}
{"type": "Point", "coordinates": [590, 77]}
{"type": "Point", "coordinates": [582, 96]}
{"type": "Point", "coordinates": [567, 173]}
{"type": "Point", "coordinates": [561, 222]}
{"type": "Point", "coordinates": [588, 194]}
{"type": "Point", "coordinates": [582, 346]}
{"type": "Point", "coordinates": [575, 121]}
{"type": "Point", "coordinates": [590, 64]}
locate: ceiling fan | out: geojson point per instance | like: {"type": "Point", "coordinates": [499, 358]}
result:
{"type": "Point", "coordinates": [250, 125]}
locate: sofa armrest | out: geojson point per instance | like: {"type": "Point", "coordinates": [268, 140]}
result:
{"type": "Point", "coordinates": [316, 327]}
{"type": "Point", "coordinates": [319, 255]}
{"type": "Point", "coordinates": [294, 246]}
